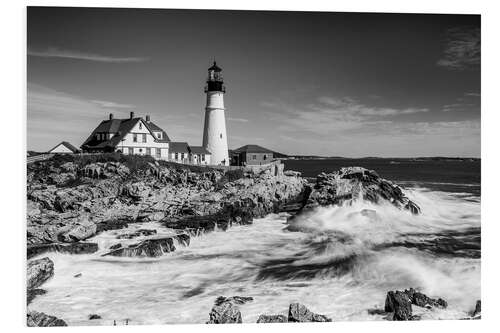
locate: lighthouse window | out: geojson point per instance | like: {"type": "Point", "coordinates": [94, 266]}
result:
{"type": "Point", "coordinates": [254, 157]}
{"type": "Point", "coordinates": [221, 135]}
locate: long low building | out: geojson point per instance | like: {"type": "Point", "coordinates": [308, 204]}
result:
{"type": "Point", "coordinates": [138, 136]}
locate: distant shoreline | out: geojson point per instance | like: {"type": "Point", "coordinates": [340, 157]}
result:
{"type": "Point", "coordinates": [437, 158]}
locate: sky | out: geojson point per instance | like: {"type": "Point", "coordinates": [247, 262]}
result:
{"type": "Point", "coordinates": [323, 83]}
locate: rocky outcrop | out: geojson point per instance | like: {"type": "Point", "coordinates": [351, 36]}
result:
{"type": "Point", "coordinates": [354, 183]}
{"type": "Point", "coordinates": [226, 311]}
{"type": "Point", "coordinates": [476, 314]}
{"type": "Point", "coordinates": [265, 319]}
{"type": "Point", "coordinates": [299, 313]}
{"type": "Point", "coordinates": [32, 293]}
{"type": "Point", "coordinates": [422, 300]}
{"type": "Point", "coordinates": [38, 272]}
{"type": "Point", "coordinates": [152, 247]}
{"type": "Point", "coordinates": [40, 319]}
{"type": "Point", "coordinates": [137, 233]}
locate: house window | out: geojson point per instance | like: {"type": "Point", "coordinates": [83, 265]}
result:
{"type": "Point", "coordinates": [182, 155]}
{"type": "Point", "coordinates": [254, 157]}
{"type": "Point", "coordinates": [176, 156]}
{"type": "Point", "coordinates": [158, 135]}
{"type": "Point", "coordinates": [135, 137]}
{"type": "Point", "coordinates": [148, 151]}
{"type": "Point", "coordinates": [203, 157]}
{"type": "Point", "coordinates": [265, 157]}
{"type": "Point", "coordinates": [144, 138]}
{"type": "Point", "coordinates": [158, 152]}
{"type": "Point", "coordinates": [131, 151]}
{"type": "Point", "coordinates": [140, 125]}
{"type": "Point", "coordinates": [140, 150]}
{"type": "Point", "coordinates": [221, 135]}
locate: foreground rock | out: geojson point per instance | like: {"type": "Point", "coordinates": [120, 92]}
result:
{"type": "Point", "coordinates": [265, 319]}
{"type": "Point", "coordinates": [32, 293]}
{"type": "Point", "coordinates": [226, 311]}
{"type": "Point", "coordinates": [153, 247]}
{"type": "Point", "coordinates": [38, 272]}
{"type": "Point", "coordinates": [299, 313]}
{"type": "Point", "coordinates": [354, 183]}
{"type": "Point", "coordinates": [477, 311]}
{"type": "Point", "coordinates": [40, 319]}
{"type": "Point", "coordinates": [400, 303]}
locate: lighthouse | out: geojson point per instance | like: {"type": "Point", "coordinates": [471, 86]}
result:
{"type": "Point", "coordinates": [214, 131]}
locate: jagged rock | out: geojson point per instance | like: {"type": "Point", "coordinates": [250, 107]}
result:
{"type": "Point", "coordinates": [78, 232]}
{"type": "Point", "coordinates": [291, 173]}
{"type": "Point", "coordinates": [422, 300]}
{"type": "Point", "coordinates": [299, 313]}
{"type": "Point", "coordinates": [94, 316]}
{"type": "Point", "coordinates": [70, 248]}
{"type": "Point", "coordinates": [77, 275]}
{"type": "Point", "coordinates": [111, 225]}
{"type": "Point", "coordinates": [32, 293]}
{"type": "Point", "coordinates": [264, 319]}
{"type": "Point", "coordinates": [153, 247]}
{"type": "Point", "coordinates": [40, 319]}
{"type": "Point", "coordinates": [357, 183]}
{"type": "Point", "coordinates": [225, 310]}
{"type": "Point", "coordinates": [138, 233]}
{"type": "Point", "coordinates": [39, 271]}
{"type": "Point", "coordinates": [400, 304]}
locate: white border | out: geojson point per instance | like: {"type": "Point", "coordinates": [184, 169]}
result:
{"type": "Point", "coordinates": [13, 194]}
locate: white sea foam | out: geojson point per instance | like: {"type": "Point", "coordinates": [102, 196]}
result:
{"type": "Point", "coordinates": [342, 267]}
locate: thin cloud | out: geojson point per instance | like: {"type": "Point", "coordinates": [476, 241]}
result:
{"type": "Point", "coordinates": [473, 94]}
{"type": "Point", "coordinates": [239, 120]}
{"type": "Point", "coordinates": [57, 53]}
{"type": "Point", "coordinates": [112, 105]}
{"type": "Point", "coordinates": [462, 50]}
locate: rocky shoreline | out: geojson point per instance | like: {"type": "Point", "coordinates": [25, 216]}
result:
{"type": "Point", "coordinates": [70, 201]}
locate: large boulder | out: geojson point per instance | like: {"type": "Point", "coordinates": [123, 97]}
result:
{"type": "Point", "coordinates": [299, 313]}
{"type": "Point", "coordinates": [82, 230]}
{"type": "Point", "coordinates": [39, 271]}
{"type": "Point", "coordinates": [476, 314]}
{"type": "Point", "coordinates": [40, 319]}
{"type": "Point", "coordinates": [264, 319]}
{"type": "Point", "coordinates": [422, 300]}
{"type": "Point", "coordinates": [226, 310]}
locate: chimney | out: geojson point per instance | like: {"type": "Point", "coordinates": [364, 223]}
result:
{"type": "Point", "coordinates": [148, 119]}
{"type": "Point", "coordinates": [131, 115]}
{"type": "Point", "coordinates": [110, 116]}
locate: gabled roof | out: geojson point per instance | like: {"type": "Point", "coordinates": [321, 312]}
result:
{"type": "Point", "coordinates": [155, 128]}
{"type": "Point", "coordinates": [119, 127]}
{"type": "Point", "coordinates": [252, 149]}
{"type": "Point", "coordinates": [199, 150]}
{"type": "Point", "coordinates": [179, 147]}
{"type": "Point", "coordinates": [67, 145]}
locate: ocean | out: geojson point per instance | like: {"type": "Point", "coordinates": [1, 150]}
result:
{"type": "Point", "coordinates": [342, 266]}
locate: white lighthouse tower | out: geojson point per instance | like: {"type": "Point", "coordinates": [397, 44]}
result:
{"type": "Point", "coordinates": [214, 132]}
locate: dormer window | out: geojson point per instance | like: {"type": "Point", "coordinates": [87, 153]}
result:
{"type": "Point", "coordinates": [140, 125]}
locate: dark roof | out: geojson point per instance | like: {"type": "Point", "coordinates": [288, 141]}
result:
{"type": "Point", "coordinates": [215, 68]}
{"type": "Point", "coordinates": [179, 147]}
{"type": "Point", "coordinates": [67, 145]}
{"type": "Point", "coordinates": [120, 127]}
{"type": "Point", "coordinates": [252, 149]}
{"type": "Point", "coordinates": [199, 150]}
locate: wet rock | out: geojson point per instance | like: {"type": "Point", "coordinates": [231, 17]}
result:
{"type": "Point", "coordinates": [400, 304]}
{"type": "Point", "coordinates": [153, 247]}
{"type": "Point", "coordinates": [264, 319]}
{"type": "Point", "coordinates": [32, 293]}
{"type": "Point", "coordinates": [225, 311]}
{"type": "Point", "coordinates": [70, 248]}
{"type": "Point", "coordinates": [39, 271]}
{"type": "Point", "coordinates": [422, 300]}
{"type": "Point", "coordinates": [115, 246]}
{"type": "Point", "coordinates": [77, 275]}
{"type": "Point", "coordinates": [40, 319]}
{"type": "Point", "coordinates": [111, 225]}
{"type": "Point", "coordinates": [94, 316]}
{"type": "Point", "coordinates": [299, 313]}
{"type": "Point", "coordinates": [138, 233]}
{"type": "Point", "coordinates": [291, 173]}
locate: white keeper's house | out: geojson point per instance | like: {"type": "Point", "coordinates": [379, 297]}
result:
{"type": "Point", "coordinates": [138, 136]}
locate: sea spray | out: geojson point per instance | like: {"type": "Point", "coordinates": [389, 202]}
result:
{"type": "Point", "coordinates": [341, 265]}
